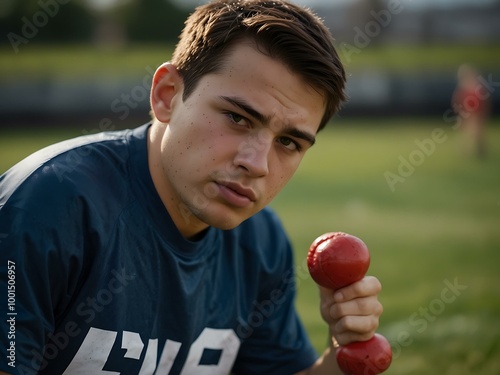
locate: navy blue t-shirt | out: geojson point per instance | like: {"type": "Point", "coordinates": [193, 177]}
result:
{"type": "Point", "coordinates": [96, 278]}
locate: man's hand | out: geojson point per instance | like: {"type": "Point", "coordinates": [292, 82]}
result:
{"type": "Point", "coordinates": [352, 313]}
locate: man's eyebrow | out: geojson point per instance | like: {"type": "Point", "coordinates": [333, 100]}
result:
{"type": "Point", "coordinates": [308, 137]}
{"type": "Point", "coordinates": [243, 105]}
{"type": "Point", "coordinates": [265, 120]}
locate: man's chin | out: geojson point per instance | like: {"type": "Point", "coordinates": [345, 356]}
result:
{"type": "Point", "coordinates": [226, 222]}
{"type": "Point", "coordinates": [224, 217]}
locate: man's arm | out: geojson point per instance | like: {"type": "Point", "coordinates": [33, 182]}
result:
{"type": "Point", "coordinates": [352, 314]}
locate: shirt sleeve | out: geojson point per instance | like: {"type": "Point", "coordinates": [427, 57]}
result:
{"type": "Point", "coordinates": [275, 341]}
{"type": "Point", "coordinates": [41, 247]}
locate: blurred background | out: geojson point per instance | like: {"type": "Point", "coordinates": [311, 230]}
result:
{"type": "Point", "coordinates": [93, 59]}
{"type": "Point", "coordinates": [401, 166]}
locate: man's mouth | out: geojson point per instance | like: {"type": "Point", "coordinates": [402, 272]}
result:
{"type": "Point", "coordinates": [236, 194]}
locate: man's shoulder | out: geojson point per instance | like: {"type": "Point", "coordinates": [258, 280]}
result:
{"type": "Point", "coordinates": [84, 167]}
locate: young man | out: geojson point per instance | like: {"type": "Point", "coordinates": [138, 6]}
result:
{"type": "Point", "coordinates": [152, 250]}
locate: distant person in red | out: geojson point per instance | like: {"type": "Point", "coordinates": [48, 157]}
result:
{"type": "Point", "coordinates": [471, 101]}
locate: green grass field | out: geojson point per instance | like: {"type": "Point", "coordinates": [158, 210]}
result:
{"type": "Point", "coordinates": [440, 226]}
{"type": "Point", "coordinates": [434, 237]}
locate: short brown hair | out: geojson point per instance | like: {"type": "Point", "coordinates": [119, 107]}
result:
{"type": "Point", "coordinates": [292, 34]}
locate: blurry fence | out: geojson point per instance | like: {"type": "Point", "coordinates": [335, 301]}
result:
{"type": "Point", "coordinates": [115, 103]}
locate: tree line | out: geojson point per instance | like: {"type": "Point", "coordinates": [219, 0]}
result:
{"type": "Point", "coordinates": [82, 21]}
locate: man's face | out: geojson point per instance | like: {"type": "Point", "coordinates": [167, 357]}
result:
{"type": "Point", "coordinates": [235, 142]}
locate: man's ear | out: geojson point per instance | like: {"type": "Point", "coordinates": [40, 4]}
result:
{"type": "Point", "coordinates": [167, 83]}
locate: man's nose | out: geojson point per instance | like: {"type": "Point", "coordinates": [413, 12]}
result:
{"type": "Point", "coordinates": [253, 153]}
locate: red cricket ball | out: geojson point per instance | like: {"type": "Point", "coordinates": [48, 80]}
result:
{"type": "Point", "coordinates": [337, 259]}
{"type": "Point", "coordinates": [367, 357]}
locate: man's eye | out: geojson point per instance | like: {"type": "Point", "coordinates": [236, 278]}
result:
{"type": "Point", "coordinates": [237, 119]}
{"type": "Point", "coordinates": [289, 143]}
